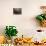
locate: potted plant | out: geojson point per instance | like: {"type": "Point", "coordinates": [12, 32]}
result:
{"type": "Point", "coordinates": [42, 17]}
{"type": "Point", "coordinates": [10, 31]}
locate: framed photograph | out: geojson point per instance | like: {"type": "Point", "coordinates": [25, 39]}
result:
{"type": "Point", "coordinates": [17, 11]}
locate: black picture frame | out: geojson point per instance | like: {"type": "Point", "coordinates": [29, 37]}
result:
{"type": "Point", "coordinates": [17, 11]}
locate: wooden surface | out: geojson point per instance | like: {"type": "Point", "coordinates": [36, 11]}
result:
{"type": "Point", "coordinates": [30, 45]}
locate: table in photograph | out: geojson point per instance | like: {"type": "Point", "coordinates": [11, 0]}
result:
{"type": "Point", "coordinates": [25, 44]}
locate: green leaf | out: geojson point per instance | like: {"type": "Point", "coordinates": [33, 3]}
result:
{"type": "Point", "coordinates": [10, 31]}
{"type": "Point", "coordinates": [40, 18]}
{"type": "Point", "coordinates": [45, 16]}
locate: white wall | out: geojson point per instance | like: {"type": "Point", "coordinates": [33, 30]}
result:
{"type": "Point", "coordinates": [26, 22]}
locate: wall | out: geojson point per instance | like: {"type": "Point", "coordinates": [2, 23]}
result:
{"type": "Point", "coordinates": [25, 23]}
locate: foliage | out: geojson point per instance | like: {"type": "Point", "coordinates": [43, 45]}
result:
{"type": "Point", "coordinates": [41, 17]}
{"type": "Point", "coordinates": [11, 31]}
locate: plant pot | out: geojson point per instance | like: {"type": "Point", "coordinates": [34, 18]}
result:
{"type": "Point", "coordinates": [43, 23]}
{"type": "Point", "coordinates": [9, 41]}
{"type": "Point", "coordinates": [13, 38]}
